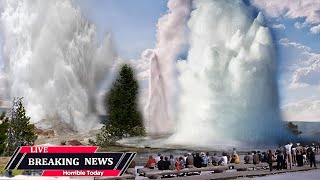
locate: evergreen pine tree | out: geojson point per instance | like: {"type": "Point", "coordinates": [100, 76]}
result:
{"type": "Point", "coordinates": [20, 132]}
{"type": "Point", "coordinates": [124, 118]}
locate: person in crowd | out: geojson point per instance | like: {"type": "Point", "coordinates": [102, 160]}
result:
{"type": "Point", "coordinates": [312, 158]}
{"type": "Point", "coordinates": [182, 163]}
{"type": "Point", "coordinates": [205, 159]}
{"type": "Point", "coordinates": [228, 157]}
{"type": "Point", "coordinates": [197, 161]}
{"type": "Point", "coordinates": [304, 155]}
{"type": "Point", "coordinates": [215, 160]}
{"type": "Point", "coordinates": [285, 159]}
{"type": "Point", "coordinates": [264, 157]}
{"type": "Point", "coordinates": [151, 163]}
{"type": "Point", "coordinates": [280, 160]}
{"type": "Point", "coordinates": [172, 163]}
{"type": "Point", "coordinates": [166, 163]}
{"type": "Point", "coordinates": [161, 164]}
{"type": "Point", "coordinates": [185, 157]}
{"type": "Point", "coordinates": [189, 162]}
{"type": "Point", "coordinates": [248, 159]}
{"type": "Point", "coordinates": [194, 154]}
{"type": "Point", "coordinates": [224, 159]}
{"type": "Point", "coordinates": [256, 158]}
{"type": "Point", "coordinates": [260, 156]}
{"type": "Point", "coordinates": [235, 159]}
{"type": "Point", "coordinates": [270, 160]}
{"type": "Point", "coordinates": [234, 151]}
{"type": "Point", "coordinates": [157, 159]}
{"type": "Point", "coordinates": [294, 155]}
{"type": "Point", "coordinates": [299, 156]}
{"type": "Point", "coordinates": [209, 158]}
{"type": "Point", "coordinates": [177, 164]}
{"type": "Point", "coordinates": [232, 159]}
{"type": "Point", "coordinates": [309, 150]}
{"type": "Point", "coordinates": [288, 148]}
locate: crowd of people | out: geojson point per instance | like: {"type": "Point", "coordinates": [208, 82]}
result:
{"type": "Point", "coordinates": [190, 160]}
{"type": "Point", "coordinates": [292, 155]}
{"type": "Point", "coordinates": [285, 157]}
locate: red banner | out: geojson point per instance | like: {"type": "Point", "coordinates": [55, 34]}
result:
{"type": "Point", "coordinates": [58, 149]}
{"type": "Point", "coordinates": [81, 173]}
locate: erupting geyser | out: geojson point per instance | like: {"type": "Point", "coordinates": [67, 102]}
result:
{"type": "Point", "coordinates": [163, 86]}
{"type": "Point", "coordinates": [53, 60]}
{"type": "Point", "coordinates": [158, 106]}
{"type": "Point", "coordinates": [228, 84]}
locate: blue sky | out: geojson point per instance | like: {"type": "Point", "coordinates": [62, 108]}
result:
{"type": "Point", "coordinates": [132, 23]}
{"type": "Point", "coordinates": [296, 30]}
{"type": "Point", "coordinates": [293, 23]}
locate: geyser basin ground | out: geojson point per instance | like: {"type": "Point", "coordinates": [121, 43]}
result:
{"type": "Point", "coordinates": [164, 143]}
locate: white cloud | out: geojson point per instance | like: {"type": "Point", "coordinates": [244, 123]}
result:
{"type": "Point", "coordinates": [307, 72]}
{"type": "Point", "coordinates": [285, 42]}
{"type": "Point", "coordinates": [278, 26]}
{"type": "Point", "coordinates": [309, 9]}
{"type": "Point", "coordinates": [302, 88]}
{"type": "Point", "coordinates": [299, 25]}
{"type": "Point", "coordinates": [315, 29]}
{"type": "Point", "coordinates": [304, 110]}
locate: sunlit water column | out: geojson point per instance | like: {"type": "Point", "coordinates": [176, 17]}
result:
{"type": "Point", "coordinates": [229, 91]}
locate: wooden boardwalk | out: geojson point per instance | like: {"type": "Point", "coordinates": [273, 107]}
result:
{"type": "Point", "coordinates": [239, 174]}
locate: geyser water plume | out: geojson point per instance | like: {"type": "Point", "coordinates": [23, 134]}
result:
{"type": "Point", "coordinates": [162, 85]}
{"type": "Point", "coordinates": [228, 84]}
{"type": "Point", "coordinates": [53, 60]}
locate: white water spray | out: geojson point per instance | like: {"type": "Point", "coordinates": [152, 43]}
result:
{"type": "Point", "coordinates": [228, 83]}
{"type": "Point", "coordinates": [53, 60]}
{"type": "Point", "coordinates": [162, 84]}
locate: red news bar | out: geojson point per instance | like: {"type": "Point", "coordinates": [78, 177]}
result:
{"type": "Point", "coordinates": [58, 149]}
{"type": "Point", "coordinates": [81, 173]}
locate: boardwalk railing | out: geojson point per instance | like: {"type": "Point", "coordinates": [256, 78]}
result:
{"type": "Point", "coordinates": [154, 173]}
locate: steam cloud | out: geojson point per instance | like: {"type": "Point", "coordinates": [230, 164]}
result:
{"type": "Point", "coordinates": [228, 83]}
{"type": "Point", "coordinates": [162, 85]}
{"type": "Point", "coordinates": [227, 86]}
{"type": "Point", "coordinates": [53, 60]}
